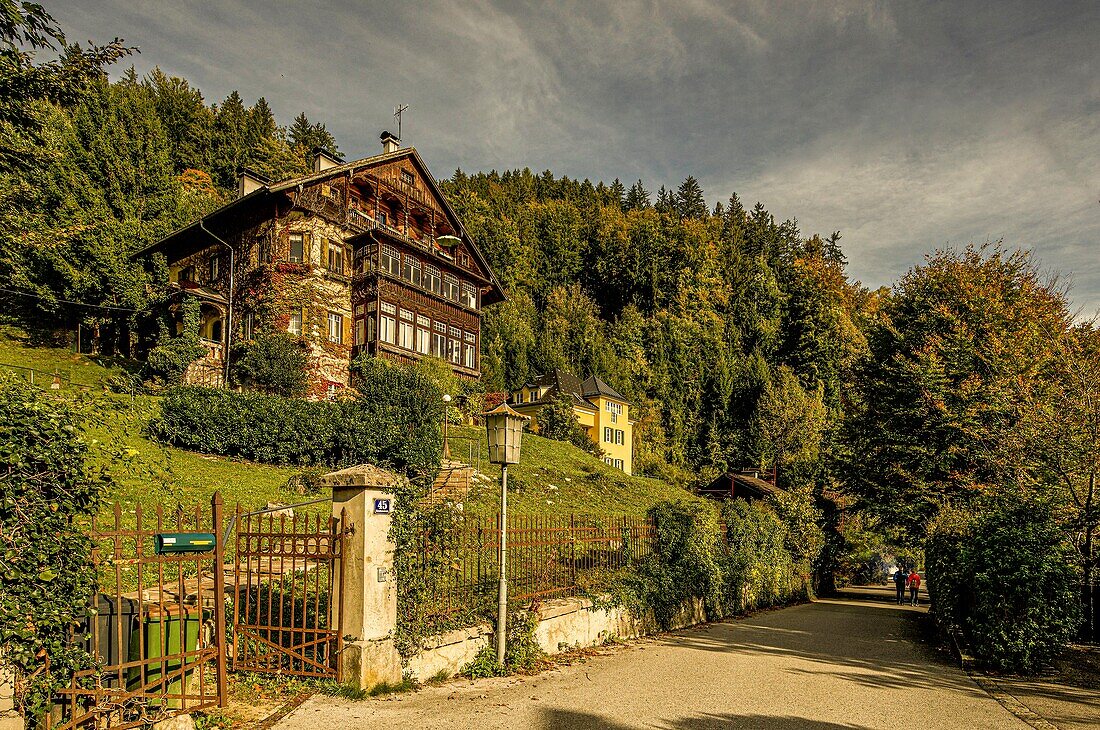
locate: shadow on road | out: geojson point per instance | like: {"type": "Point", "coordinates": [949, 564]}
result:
{"type": "Point", "coordinates": [570, 720]}
{"type": "Point", "coordinates": [892, 649]}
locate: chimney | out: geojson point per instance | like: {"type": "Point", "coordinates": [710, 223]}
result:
{"type": "Point", "coordinates": [249, 181]}
{"type": "Point", "coordinates": [323, 160]}
{"type": "Point", "coordinates": [389, 143]}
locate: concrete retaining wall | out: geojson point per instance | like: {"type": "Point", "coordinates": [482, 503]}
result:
{"type": "Point", "coordinates": [9, 718]}
{"type": "Point", "coordinates": [564, 624]}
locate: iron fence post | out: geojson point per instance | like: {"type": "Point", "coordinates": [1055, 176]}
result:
{"type": "Point", "coordinates": [219, 600]}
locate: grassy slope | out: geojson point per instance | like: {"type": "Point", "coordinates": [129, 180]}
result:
{"type": "Point", "coordinates": [151, 474]}
{"type": "Point", "coordinates": [553, 477]}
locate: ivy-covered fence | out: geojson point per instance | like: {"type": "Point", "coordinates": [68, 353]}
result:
{"type": "Point", "coordinates": [450, 575]}
{"type": "Point", "coordinates": [448, 566]}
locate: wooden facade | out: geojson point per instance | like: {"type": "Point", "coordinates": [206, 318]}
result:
{"type": "Point", "coordinates": [359, 257]}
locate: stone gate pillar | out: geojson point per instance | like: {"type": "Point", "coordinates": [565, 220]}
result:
{"type": "Point", "coordinates": [367, 595]}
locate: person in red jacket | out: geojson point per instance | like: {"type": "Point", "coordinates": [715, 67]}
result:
{"type": "Point", "coordinates": [913, 584]}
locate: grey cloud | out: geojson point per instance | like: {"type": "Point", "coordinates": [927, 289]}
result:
{"type": "Point", "coordinates": [905, 125]}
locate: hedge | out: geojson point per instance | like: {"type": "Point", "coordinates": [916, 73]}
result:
{"type": "Point", "coordinates": [394, 421]}
{"type": "Point", "coordinates": [1003, 579]}
{"type": "Point", "coordinates": [751, 566]}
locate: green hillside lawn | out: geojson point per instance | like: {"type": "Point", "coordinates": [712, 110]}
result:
{"type": "Point", "coordinates": [144, 471]}
{"type": "Point", "coordinates": [553, 477]}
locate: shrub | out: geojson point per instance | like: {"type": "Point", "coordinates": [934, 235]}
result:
{"type": "Point", "coordinates": [394, 421]}
{"type": "Point", "coordinates": [166, 363]}
{"type": "Point", "coordinates": [557, 421]}
{"type": "Point", "coordinates": [46, 573]}
{"type": "Point", "coordinates": [684, 563]}
{"type": "Point", "coordinates": [272, 363]}
{"type": "Point", "coordinates": [759, 570]}
{"type": "Point", "coordinates": [1003, 578]}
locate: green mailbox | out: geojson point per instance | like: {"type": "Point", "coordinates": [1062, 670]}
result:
{"type": "Point", "coordinates": [184, 542]}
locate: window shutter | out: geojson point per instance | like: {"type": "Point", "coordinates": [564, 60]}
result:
{"type": "Point", "coordinates": [347, 330]}
{"type": "Point", "coordinates": [324, 252]}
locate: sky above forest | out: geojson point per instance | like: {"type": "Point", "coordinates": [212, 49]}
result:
{"type": "Point", "coordinates": [906, 126]}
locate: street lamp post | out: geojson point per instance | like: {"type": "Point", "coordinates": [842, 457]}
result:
{"type": "Point", "coordinates": [446, 418]}
{"type": "Point", "coordinates": [504, 429]}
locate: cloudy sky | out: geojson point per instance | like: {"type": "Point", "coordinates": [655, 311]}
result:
{"type": "Point", "coordinates": [907, 126]}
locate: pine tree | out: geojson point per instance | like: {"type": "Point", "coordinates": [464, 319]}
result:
{"type": "Point", "coordinates": [637, 198]}
{"type": "Point", "coordinates": [617, 192]}
{"type": "Point", "coordinates": [306, 137]}
{"type": "Point", "coordinates": [664, 201]}
{"type": "Point", "coordinates": [689, 201]}
{"type": "Point", "coordinates": [230, 140]}
{"type": "Point", "coordinates": [300, 132]}
{"type": "Point", "coordinates": [186, 120]}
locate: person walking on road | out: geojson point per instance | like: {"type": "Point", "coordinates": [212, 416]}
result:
{"type": "Point", "coordinates": [901, 575]}
{"type": "Point", "coordinates": [913, 583]}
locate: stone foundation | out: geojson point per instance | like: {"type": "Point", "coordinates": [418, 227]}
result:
{"type": "Point", "coordinates": [564, 624]}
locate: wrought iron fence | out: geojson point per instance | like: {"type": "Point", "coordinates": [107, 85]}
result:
{"type": "Point", "coordinates": [156, 625]}
{"type": "Point", "coordinates": [549, 556]}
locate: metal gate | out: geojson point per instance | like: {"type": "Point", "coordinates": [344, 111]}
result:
{"type": "Point", "coordinates": [155, 626]}
{"type": "Point", "coordinates": [286, 612]}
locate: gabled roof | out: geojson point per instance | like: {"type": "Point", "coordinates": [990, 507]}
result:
{"type": "Point", "coordinates": [595, 386]}
{"type": "Point", "coordinates": [199, 237]}
{"type": "Point", "coordinates": [562, 381]}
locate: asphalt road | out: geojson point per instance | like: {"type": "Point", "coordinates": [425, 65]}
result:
{"type": "Point", "coordinates": [854, 662]}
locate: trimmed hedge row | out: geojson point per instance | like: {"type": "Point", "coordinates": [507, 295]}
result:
{"type": "Point", "coordinates": [1003, 579]}
{"type": "Point", "coordinates": [395, 421]}
{"type": "Point", "coordinates": [751, 566]}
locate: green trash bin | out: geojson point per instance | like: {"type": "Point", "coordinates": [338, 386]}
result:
{"type": "Point", "coordinates": [161, 632]}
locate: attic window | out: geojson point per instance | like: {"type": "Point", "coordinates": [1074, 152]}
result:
{"type": "Point", "coordinates": [407, 177]}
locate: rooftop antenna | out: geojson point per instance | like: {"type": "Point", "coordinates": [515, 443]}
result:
{"type": "Point", "coordinates": [397, 111]}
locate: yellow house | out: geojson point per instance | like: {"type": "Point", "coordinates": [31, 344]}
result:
{"type": "Point", "coordinates": [600, 409]}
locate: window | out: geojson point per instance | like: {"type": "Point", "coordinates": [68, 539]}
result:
{"type": "Point", "coordinates": [360, 332]}
{"type": "Point", "coordinates": [372, 329]}
{"type": "Point", "coordinates": [619, 464]}
{"type": "Point", "coordinates": [389, 308]}
{"type": "Point", "coordinates": [387, 329]}
{"type": "Point", "coordinates": [469, 295]}
{"type": "Point", "coordinates": [450, 287]}
{"type": "Point", "coordinates": [615, 409]}
{"type": "Point", "coordinates": [405, 335]}
{"type": "Point", "coordinates": [439, 339]}
{"type": "Point", "coordinates": [607, 434]}
{"type": "Point", "coordinates": [214, 268]}
{"type": "Point", "coordinates": [411, 270]}
{"type": "Point", "coordinates": [335, 262]}
{"type": "Point", "coordinates": [469, 358]}
{"type": "Point", "coordinates": [620, 437]}
{"type": "Point", "coordinates": [249, 325]}
{"type": "Point", "coordinates": [336, 328]}
{"type": "Point", "coordinates": [380, 217]}
{"type": "Point", "coordinates": [332, 391]}
{"type": "Point", "coordinates": [432, 280]}
{"type": "Point", "coordinates": [407, 177]}
{"type": "Point", "coordinates": [391, 260]}
{"type": "Point", "coordinates": [297, 248]}
{"type": "Point", "coordinates": [295, 327]}
{"type": "Point", "coordinates": [423, 340]}
{"type": "Point", "coordinates": [187, 273]}
{"type": "Point", "coordinates": [454, 346]}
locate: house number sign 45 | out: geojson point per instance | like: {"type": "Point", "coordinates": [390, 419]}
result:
{"type": "Point", "coordinates": [382, 506]}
